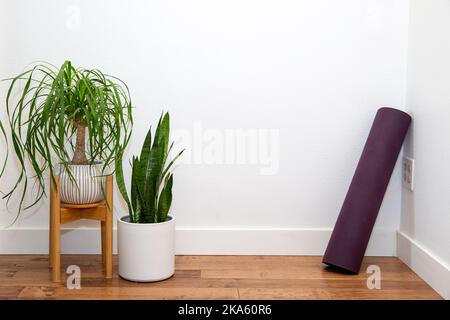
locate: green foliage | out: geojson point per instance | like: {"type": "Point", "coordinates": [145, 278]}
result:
{"type": "Point", "coordinates": [151, 179]}
{"type": "Point", "coordinates": [43, 120]}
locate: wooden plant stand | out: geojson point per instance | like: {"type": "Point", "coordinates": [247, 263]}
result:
{"type": "Point", "coordinates": [61, 213]}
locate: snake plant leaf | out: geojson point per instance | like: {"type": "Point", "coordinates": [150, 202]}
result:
{"type": "Point", "coordinates": [146, 147]}
{"type": "Point", "coordinates": [145, 159]}
{"type": "Point", "coordinates": [151, 181]}
{"type": "Point", "coordinates": [153, 174]}
{"type": "Point", "coordinates": [162, 137]}
{"type": "Point", "coordinates": [141, 212]}
{"type": "Point", "coordinates": [162, 132]}
{"type": "Point", "coordinates": [157, 131]}
{"type": "Point", "coordinates": [165, 199]}
{"type": "Point", "coordinates": [134, 199]}
{"type": "Point", "coordinates": [170, 164]}
{"type": "Point", "coordinates": [121, 184]}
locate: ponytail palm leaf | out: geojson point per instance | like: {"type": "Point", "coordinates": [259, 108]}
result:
{"type": "Point", "coordinates": [151, 180]}
{"type": "Point", "coordinates": [64, 116]}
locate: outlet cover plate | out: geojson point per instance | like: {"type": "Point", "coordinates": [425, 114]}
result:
{"type": "Point", "coordinates": [408, 173]}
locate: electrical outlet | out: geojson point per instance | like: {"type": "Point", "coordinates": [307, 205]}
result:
{"type": "Point", "coordinates": [408, 173]}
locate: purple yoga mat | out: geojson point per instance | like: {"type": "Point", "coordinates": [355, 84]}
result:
{"type": "Point", "coordinates": [354, 225]}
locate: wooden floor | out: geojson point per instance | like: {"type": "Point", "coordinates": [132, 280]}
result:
{"type": "Point", "coordinates": [213, 277]}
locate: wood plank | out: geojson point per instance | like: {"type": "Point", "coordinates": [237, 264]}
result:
{"type": "Point", "coordinates": [335, 293]}
{"type": "Point", "coordinates": [147, 293]}
{"type": "Point", "coordinates": [10, 292]}
{"type": "Point", "coordinates": [212, 277]}
{"type": "Point", "coordinates": [55, 230]}
{"type": "Point", "coordinates": [108, 218]}
{"type": "Point", "coordinates": [82, 206]}
{"type": "Point", "coordinates": [70, 215]}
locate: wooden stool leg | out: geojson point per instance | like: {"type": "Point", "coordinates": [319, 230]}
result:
{"type": "Point", "coordinates": [108, 226]}
{"type": "Point", "coordinates": [50, 233]}
{"type": "Point", "coordinates": [56, 221]}
{"type": "Point", "coordinates": [103, 235]}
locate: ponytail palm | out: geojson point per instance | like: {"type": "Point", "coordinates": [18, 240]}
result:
{"type": "Point", "coordinates": [63, 116]}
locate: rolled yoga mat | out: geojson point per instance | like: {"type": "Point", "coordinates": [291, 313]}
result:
{"type": "Point", "coordinates": [354, 225]}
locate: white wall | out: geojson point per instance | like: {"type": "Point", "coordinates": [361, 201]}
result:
{"type": "Point", "coordinates": [315, 70]}
{"type": "Point", "coordinates": [425, 219]}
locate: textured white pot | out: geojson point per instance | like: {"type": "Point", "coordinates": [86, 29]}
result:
{"type": "Point", "coordinates": [146, 250]}
{"type": "Point", "coordinates": [89, 186]}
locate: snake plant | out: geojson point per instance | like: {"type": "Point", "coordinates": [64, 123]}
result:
{"type": "Point", "coordinates": [54, 111]}
{"type": "Point", "coordinates": [151, 179]}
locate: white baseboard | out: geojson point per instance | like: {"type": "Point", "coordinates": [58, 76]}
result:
{"type": "Point", "coordinates": [427, 266]}
{"type": "Point", "coordinates": [201, 241]}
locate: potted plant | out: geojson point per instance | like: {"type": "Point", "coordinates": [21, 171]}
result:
{"type": "Point", "coordinates": [146, 236]}
{"type": "Point", "coordinates": [78, 120]}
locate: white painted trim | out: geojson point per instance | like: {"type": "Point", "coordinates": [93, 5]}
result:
{"type": "Point", "coordinates": [201, 241]}
{"type": "Point", "coordinates": [427, 266]}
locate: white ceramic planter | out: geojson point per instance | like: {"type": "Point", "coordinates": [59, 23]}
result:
{"type": "Point", "coordinates": [146, 250]}
{"type": "Point", "coordinates": [88, 187]}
